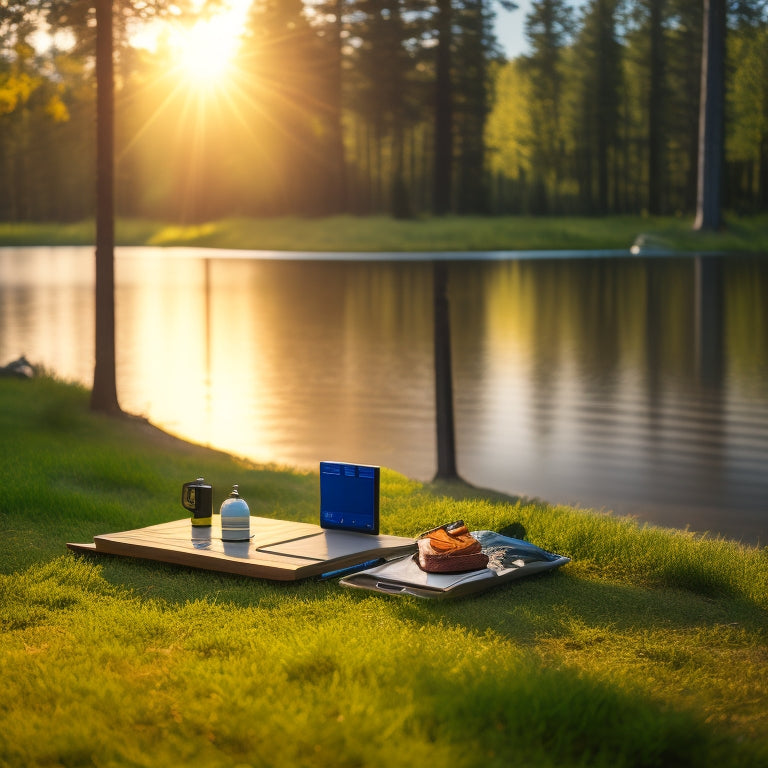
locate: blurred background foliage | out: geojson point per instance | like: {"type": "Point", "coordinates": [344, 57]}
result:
{"type": "Point", "coordinates": [321, 107]}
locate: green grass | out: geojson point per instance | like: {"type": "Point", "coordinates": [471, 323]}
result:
{"type": "Point", "coordinates": [379, 233]}
{"type": "Point", "coordinates": [649, 649]}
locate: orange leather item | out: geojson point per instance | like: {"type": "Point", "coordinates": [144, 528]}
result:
{"type": "Point", "coordinates": [446, 541]}
{"type": "Point", "coordinates": [450, 548]}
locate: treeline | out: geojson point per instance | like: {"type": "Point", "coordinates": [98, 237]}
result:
{"type": "Point", "coordinates": [384, 106]}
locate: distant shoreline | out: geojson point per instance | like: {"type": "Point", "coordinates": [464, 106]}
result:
{"type": "Point", "coordinates": [494, 237]}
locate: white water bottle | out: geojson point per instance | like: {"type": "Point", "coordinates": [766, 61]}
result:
{"type": "Point", "coordinates": [235, 518]}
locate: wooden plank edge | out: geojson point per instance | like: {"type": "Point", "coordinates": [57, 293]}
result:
{"type": "Point", "coordinates": [87, 549]}
{"type": "Point", "coordinates": [153, 555]}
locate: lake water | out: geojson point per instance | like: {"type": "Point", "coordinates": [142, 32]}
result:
{"type": "Point", "coordinates": [638, 385]}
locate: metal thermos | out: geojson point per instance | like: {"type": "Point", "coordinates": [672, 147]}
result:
{"type": "Point", "coordinates": [235, 518]}
{"type": "Point", "coordinates": [197, 498]}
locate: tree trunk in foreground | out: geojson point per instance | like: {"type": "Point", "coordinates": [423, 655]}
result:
{"type": "Point", "coordinates": [711, 118]}
{"type": "Point", "coordinates": [446, 444]}
{"type": "Point", "coordinates": [104, 393]}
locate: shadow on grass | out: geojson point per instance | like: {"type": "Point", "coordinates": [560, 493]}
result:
{"type": "Point", "coordinates": [554, 604]}
{"type": "Point", "coordinates": [548, 604]}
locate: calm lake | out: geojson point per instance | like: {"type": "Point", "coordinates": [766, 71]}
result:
{"type": "Point", "coordinates": [632, 384]}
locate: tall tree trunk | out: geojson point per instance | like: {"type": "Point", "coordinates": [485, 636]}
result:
{"type": "Point", "coordinates": [443, 157]}
{"type": "Point", "coordinates": [711, 118]}
{"type": "Point", "coordinates": [446, 443]}
{"type": "Point", "coordinates": [104, 393]}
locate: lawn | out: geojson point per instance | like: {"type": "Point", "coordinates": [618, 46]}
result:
{"type": "Point", "coordinates": [381, 233]}
{"type": "Point", "coordinates": [649, 649]}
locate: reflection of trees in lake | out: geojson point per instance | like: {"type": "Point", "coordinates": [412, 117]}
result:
{"type": "Point", "coordinates": [314, 360]}
{"type": "Point", "coordinates": [745, 287]}
{"type": "Point", "coordinates": [708, 300]}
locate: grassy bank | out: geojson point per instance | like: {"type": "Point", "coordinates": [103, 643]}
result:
{"type": "Point", "coordinates": [452, 233]}
{"type": "Point", "coordinates": [649, 649]}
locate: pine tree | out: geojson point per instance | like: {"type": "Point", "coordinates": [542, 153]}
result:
{"type": "Point", "coordinates": [600, 53]}
{"type": "Point", "coordinates": [548, 27]}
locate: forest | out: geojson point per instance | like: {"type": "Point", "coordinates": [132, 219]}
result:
{"type": "Point", "coordinates": [395, 107]}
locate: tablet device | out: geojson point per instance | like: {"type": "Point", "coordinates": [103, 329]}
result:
{"type": "Point", "coordinates": [349, 497]}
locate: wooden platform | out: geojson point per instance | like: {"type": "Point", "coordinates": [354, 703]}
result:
{"type": "Point", "coordinates": [279, 550]}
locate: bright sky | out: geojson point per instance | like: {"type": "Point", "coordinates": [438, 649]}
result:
{"type": "Point", "coordinates": [196, 54]}
{"type": "Point", "coordinates": [510, 26]}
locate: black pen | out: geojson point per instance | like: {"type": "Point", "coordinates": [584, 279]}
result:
{"type": "Point", "coordinates": [353, 568]}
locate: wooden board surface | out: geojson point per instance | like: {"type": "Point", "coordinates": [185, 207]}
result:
{"type": "Point", "coordinates": [280, 550]}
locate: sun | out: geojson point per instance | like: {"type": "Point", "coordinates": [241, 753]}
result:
{"type": "Point", "coordinates": [202, 53]}
{"type": "Point", "coordinates": [205, 52]}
